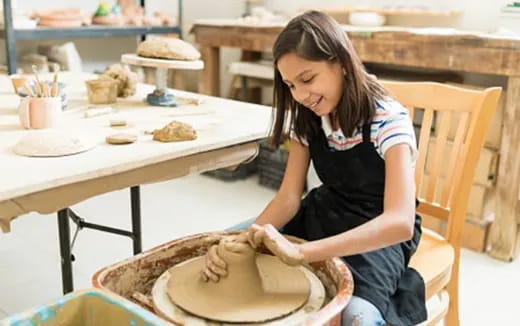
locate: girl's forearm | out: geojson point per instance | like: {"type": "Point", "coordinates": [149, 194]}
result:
{"type": "Point", "coordinates": [279, 211]}
{"type": "Point", "coordinates": [380, 232]}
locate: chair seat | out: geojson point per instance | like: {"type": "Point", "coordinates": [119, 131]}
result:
{"type": "Point", "coordinates": [433, 260]}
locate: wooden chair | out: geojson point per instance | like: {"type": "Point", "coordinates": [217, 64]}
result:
{"type": "Point", "coordinates": [458, 119]}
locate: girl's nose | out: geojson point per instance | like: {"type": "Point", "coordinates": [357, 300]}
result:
{"type": "Point", "coordinates": [300, 95]}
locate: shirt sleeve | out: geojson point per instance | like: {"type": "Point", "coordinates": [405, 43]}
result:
{"type": "Point", "coordinates": [303, 141]}
{"type": "Point", "coordinates": [395, 127]}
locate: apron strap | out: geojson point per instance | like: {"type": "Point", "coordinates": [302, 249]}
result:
{"type": "Point", "coordinates": [366, 133]}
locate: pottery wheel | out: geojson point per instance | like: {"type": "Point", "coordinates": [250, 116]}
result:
{"type": "Point", "coordinates": [168, 310]}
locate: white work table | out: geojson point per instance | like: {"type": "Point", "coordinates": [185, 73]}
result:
{"type": "Point", "coordinates": [227, 134]}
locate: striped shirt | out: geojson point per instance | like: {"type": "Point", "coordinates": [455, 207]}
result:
{"type": "Point", "coordinates": [391, 126]}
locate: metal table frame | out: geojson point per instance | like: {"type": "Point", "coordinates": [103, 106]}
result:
{"type": "Point", "coordinates": [66, 244]}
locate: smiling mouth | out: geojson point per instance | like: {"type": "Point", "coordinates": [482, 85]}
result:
{"type": "Point", "coordinates": [315, 104]}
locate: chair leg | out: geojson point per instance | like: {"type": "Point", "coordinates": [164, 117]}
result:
{"type": "Point", "coordinates": [244, 88]}
{"type": "Point", "coordinates": [452, 318]}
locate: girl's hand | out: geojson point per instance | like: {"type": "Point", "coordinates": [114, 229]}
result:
{"type": "Point", "coordinates": [215, 267]}
{"type": "Point", "coordinates": [287, 251]}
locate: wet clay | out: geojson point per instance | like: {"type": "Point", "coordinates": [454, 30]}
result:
{"type": "Point", "coordinates": [50, 142]}
{"type": "Point", "coordinates": [175, 131]}
{"type": "Point", "coordinates": [168, 48]}
{"type": "Point", "coordinates": [121, 138]}
{"type": "Point", "coordinates": [257, 287]}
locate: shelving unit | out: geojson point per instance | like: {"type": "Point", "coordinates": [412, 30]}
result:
{"type": "Point", "coordinates": [11, 35]}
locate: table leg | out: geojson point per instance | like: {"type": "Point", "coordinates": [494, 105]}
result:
{"type": "Point", "coordinates": [66, 258]}
{"type": "Point", "coordinates": [135, 197]}
{"type": "Point", "coordinates": [503, 235]}
{"type": "Point", "coordinates": [210, 81]}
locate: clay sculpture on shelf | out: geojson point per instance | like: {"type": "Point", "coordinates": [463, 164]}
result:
{"type": "Point", "coordinates": [105, 15]}
{"type": "Point", "coordinates": [135, 15]}
{"type": "Point", "coordinates": [61, 18]}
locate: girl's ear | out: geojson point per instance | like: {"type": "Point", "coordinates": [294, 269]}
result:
{"type": "Point", "coordinates": [344, 71]}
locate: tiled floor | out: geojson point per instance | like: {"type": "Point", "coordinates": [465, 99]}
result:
{"type": "Point", "coordinates": [29, 258]}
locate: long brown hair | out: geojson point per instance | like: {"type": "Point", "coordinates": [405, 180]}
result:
{"type": "Point", "coordinates": [315, 36]}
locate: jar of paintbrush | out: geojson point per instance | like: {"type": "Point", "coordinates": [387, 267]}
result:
{"type": "Point", "coordinates": [41, 108]}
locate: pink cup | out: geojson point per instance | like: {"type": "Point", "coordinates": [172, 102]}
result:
{"type": "Point", "coordinates": [40, 112]}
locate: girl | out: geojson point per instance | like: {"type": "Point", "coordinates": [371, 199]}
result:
{"type": "Point", "coordinates": [362, 145]}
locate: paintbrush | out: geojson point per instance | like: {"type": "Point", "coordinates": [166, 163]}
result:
{"type": "Point", "coordinates": [54, 91]}
{"type": "Point", "coordinates": [28, 90]}
{"type": "Point", "coordinates": [45, 90]}
{"type": "Point", "coordinates": [38, 85]}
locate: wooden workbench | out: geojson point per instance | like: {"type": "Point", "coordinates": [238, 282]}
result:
{"type": "Point", "coordinates": [227, 134]}
{"type": "Point", "coordinates": [443, 49]}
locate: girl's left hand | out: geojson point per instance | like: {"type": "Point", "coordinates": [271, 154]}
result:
{"type": "Point", "coordinates": [288, 252]}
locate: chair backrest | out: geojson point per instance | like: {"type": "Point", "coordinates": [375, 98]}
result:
{"type": "Point", "coordinates": [453, 125]}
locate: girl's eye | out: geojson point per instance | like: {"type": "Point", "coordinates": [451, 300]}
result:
{"type": "Point", "coordinates": [308, 80]}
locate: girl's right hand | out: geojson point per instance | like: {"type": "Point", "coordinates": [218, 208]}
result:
{"type": "Point", "coordinates": [287, 251]}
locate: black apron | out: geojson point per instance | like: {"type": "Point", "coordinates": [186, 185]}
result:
{"type": "Point", "coordinates": [351, 194]}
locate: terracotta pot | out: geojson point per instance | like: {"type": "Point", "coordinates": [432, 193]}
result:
{"type": "Point", "coordinates": [68, 17]}
{"type": "Point", "coordinates": [60, 23]}
{"type": "Point", "coordinates": [60, 14]}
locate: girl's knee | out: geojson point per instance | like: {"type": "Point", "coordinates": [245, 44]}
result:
{"type": "Point", "coordinates": [360, 312]}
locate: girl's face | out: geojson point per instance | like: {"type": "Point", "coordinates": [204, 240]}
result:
{"type": "Point", "coordinates": [317, 85]}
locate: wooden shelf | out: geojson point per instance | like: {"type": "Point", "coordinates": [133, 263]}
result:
{"type": "Point", "coordinates": [90, 31]}
{"type": "Point", "coordinates": [11, 34]}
